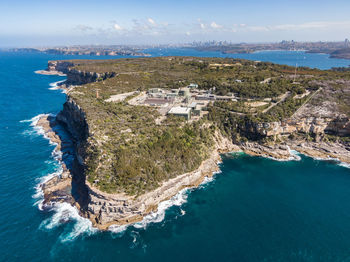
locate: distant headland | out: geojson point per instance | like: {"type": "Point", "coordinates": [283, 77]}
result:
{"type": "Point", "coordinates": [340, 50]}
{"type": "Point", "coordinates": [111, 50]}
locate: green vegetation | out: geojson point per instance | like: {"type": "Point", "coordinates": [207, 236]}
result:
{"type": "Point", "coordinates": [127, 151]}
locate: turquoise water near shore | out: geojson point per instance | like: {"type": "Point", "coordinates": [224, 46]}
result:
{"type": "Point", "coordinates": [256, 209]}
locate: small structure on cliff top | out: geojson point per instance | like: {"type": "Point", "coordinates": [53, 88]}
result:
{"type": "Point", "coordinates": [180, 111]}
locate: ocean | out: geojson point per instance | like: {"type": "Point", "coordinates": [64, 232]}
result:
{"type": "Point", "coordinates": [255, 209]}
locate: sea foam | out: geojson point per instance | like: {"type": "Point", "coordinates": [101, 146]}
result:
{"type": "Point", "coordinates": [36, 130]}
{"type": "Point", "coordinates": [338, 162]}
{"type": "Point", "coordinates": [157, 216]}
{"type": "Point", "coordinates": [65, 213]}
{"type": "Point", "coordinates": [344, 164]}
{"type": "Point", "coordinates": [55, 85]}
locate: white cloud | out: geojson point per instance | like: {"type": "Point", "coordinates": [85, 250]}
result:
{"type": "Point", "coordinates": [117, 27]}
{"type": "Point", "coordinates": [145, 27]}
{"type": "Point", "coordinates": [201, 24]}
{"type": "Point", "coordinates": [215, 25]}
{"type": "Point", "coordinates": [199, 29]}
{"type": "Point", "coordinates": [321, 25]}
{"type": "Point", "coordinates": [151, 21]}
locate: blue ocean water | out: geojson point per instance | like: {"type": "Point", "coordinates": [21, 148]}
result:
{"type": "Point", "coordinates": [292, 58]}
{"type": "Point", "coordinates": [256, 210]}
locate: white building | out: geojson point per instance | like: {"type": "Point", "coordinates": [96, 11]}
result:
{"type": "Point", "coordinates": [180, 111]}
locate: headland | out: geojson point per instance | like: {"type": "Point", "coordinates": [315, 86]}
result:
{"type": "Point", "coordinates": [144, 129]}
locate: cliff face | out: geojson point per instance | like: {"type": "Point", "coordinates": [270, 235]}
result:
{"type": "Point", "coordinates": [60, 66]}
{"type": "Point", "coordinates": [74, 119]}
{"type": "Point", "coordinates": [339, 126]}
{"type": "Point", "coordinates": [77, 77]}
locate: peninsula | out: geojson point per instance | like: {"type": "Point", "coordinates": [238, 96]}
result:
{"type": "Point", "coordinates": [143, 129]}
{"type": "Point", "coordinates": [92, 50]}
{"type": "Point", "coordinates": [340, 50]}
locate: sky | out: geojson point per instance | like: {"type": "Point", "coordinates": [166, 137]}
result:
{"type": "Point", "coordinates": [26, 23]}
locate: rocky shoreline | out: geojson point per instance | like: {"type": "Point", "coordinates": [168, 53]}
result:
{"type": "Point", "coordinates": [58, 188]}
{"type": "Point", "coordinates": [105, 210]}
{"type": "Point", "coordinates": [50, 73]}
{"type": "Point", "coordinates": [283, 151]}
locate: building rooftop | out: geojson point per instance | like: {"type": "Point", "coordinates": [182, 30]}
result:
{"type": "Point", "coordinates": [179, 110]}
{"type": "Point", "coordinates": [157, 101]}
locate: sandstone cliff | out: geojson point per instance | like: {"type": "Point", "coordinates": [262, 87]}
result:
{"type": "Point", "coordinates": [308, 125]}
{"type": "Point", "coordinates": [77, 77]}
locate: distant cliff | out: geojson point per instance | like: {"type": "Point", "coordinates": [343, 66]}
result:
{"type": "Point", "coordinates": [77, 77]}
{"type": "Point", "coordinates": [341, 54]}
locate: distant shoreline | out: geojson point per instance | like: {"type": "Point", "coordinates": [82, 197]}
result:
{"type": "Point", "coordinates": [333, 56]}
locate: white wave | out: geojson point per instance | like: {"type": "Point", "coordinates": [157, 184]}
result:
{"type": "Point", "coordinates": [34, 120]}
{"type": "Point", "coordinates": [323, 158]}
{"type": "Point", "coordinates": [337, 160]}
{"type": "Point", "coordinates": [137, 241]}
{"type": "Point", "coordinates": [35, 130]}
{"type": "Point", "coordinates": [339, 163]}
{"type": "Point", "coordinates": [344, 164]}
{"type": "Point", "coordinates": [39, 194]}
{"type": "Point", "coordinates": [63, 212]}
{"type": "Point", "coordinates": [279, 159]}
{"type": "Point", "coordinates": [295, 155]}
{"type": "Point", "coordinates": [155, 217]}
{"type": "Point", "coordinates": [117, 229]}
{"type": "Point", "coordinates": [236, 153]}
{"type": "Point", "coordinates": [57, 155]}
{"type": "Point", "coordinates": [158, 216]}
{"type": "Point", "coordinates": [55, 85]}
{"type": "Point", "coordinates": [207, 180]}
{"type": "Point", "coordinates": [31, 120]}
{"type": "Point", "coordinates": [66, 213]}
{"type": "Point", "coordinates": [210, 179]}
